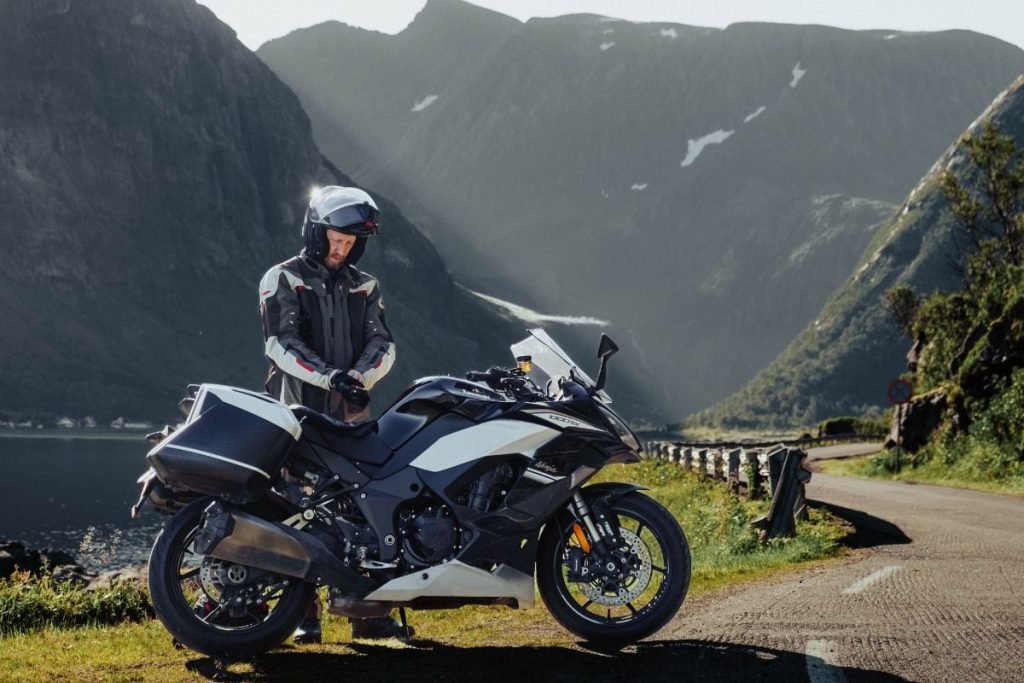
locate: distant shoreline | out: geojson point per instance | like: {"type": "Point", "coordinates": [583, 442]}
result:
{"type": "Point", "coordinates": [73, 434]}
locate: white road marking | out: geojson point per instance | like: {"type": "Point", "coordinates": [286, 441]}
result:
{"type": "Point", "coordinates": [821, 662]}
{"type": "Point", "coordinates": [871, 579]}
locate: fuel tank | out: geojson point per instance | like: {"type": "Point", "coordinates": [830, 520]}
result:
{"type": "Point", "coordinates": [428, 398]}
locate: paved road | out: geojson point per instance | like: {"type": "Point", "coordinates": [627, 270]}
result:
{"type": "Point", "coordinates": [939, 596]}
{"type": "Point", "coordinates": [844, 450]}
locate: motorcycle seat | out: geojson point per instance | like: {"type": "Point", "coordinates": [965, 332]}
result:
{"type": "Point", "coordinates": [327, 423]}
{"type": "Point", "coordinates": [357, 441]}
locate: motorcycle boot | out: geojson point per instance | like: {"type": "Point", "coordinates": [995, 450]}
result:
{"type": "Point", "coordinates": [379, 628]}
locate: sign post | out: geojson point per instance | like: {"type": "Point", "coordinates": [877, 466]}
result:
{"type": "Point", "coordinates": [900, 391]}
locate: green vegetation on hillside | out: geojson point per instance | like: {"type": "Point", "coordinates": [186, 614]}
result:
{"type": "Point", "coordinates": [969, 344]}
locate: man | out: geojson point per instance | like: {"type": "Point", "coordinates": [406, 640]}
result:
{"type": "Point", "coordinates": [326, 338]}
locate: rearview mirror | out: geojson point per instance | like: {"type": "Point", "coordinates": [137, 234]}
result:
{"type": "Point", "coordinates": [607, 348]}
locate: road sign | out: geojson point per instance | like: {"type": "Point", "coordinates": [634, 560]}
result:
{"type": "Point", "coordinates": [900, 391]}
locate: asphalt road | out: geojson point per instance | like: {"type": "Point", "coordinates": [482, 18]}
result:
{"type": "Point", "coordinates": [936, 594]}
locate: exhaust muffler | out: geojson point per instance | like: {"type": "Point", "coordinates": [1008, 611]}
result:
{"type": "Point", "coordinates": [235, 536]}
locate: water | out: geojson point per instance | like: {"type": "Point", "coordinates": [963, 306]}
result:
{"type": "Point", "coordinates": [73, 494]}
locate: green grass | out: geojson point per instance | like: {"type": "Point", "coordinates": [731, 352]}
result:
{"type": "Point", "coordinates": [963, 475]}
{"type": "Point", "coordinates": [29, 603]}
{"type": "Point", "coordinates": [724, 550]}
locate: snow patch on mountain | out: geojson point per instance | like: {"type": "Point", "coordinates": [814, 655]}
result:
{"type": "Point", "coordinates": [798, 73]}
{"type": "Point", "coordinates": [608, 31]}
{"type": "Point", "coordinates": [695, 147]}
{"type": "Point", "coordinates": [668, 33]}
{"type": "Point", "coordinates": [534, 318]}
{"type": "Point", "coordinates": [754, 114]}
{"type": "Point", "coordinates": [890, 36]}
{"type": "Point", "coordinates": [424, 103]}
{"type": "Point", "coordinates": [638, 187]}
{"type": "Point", "coordinates": [607, 46]}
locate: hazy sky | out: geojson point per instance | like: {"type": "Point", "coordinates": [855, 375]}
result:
{"type": "Point", "coordinates": [257, 21]}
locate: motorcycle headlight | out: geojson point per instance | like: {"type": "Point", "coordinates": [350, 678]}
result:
{"type": "Point", "coordinates": [621, 430]}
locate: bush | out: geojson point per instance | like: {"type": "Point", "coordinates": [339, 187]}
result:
{"type": "Point", "coordinates": [838, 426]}
{"type": "Point", "coordinates": [29, 603]}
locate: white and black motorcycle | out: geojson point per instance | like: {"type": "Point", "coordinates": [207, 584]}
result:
{"type": "Point", "coordinates": [461, 493]}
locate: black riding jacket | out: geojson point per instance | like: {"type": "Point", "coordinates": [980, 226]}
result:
{"type": "Point", "coordinates": [317, 322]}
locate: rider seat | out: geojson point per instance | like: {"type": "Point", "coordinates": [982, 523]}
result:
{"type": "Point", "coordinates": [357, 441]}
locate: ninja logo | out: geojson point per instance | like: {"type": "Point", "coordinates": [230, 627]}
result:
{"type": "Point", "coordinates": [545, 467]}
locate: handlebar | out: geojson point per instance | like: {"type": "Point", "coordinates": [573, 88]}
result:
{"type": "Point", "coordinates": [511, 381]}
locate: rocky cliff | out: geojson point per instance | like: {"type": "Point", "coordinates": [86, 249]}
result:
{"type": "Point", "coordinates": [152, 168]}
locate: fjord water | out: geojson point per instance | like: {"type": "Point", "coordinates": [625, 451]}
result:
{"type": "Point", "coordinates": [73, 494]}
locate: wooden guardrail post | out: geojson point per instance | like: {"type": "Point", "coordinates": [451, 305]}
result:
{"type": "Point", "coordinates": [752, 469]}
{"type": "Point", "coordinates": [792, 476]}
{"type": "Point", "coordinates": [702, 463]}
{"type": "Point", "coordinates": [674, 456]}
{"type": "Point", "coordinates": [733, 469]}
{"type": "Point", "coordinates": [776, 456]}
{"type": "Point", "coordinates": [716, 465]}
{"type": "Point", "coordinates": [687, 456]}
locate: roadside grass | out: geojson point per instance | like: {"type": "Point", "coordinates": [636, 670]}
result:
{"type": "Point", "coordinates": [960, 474]}
{"type": "Point", "coordinates": [724, 549]}
{"type": "Point", "coordinates": [30, 602]}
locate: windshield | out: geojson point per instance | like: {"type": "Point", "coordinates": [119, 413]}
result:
{"type": "Point", "coordinates": [550, 362]}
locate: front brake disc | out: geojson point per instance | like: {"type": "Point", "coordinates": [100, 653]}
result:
{"type": "Point", "coordinates": [635, 582]}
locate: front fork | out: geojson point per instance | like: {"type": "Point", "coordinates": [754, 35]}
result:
{"type": "Point", "coordinates": [597, 538]}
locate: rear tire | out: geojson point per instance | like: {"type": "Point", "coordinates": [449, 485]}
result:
{"type": "Point", "coordinates": [174, 588]}
{"type": "Point", "coordinates": [660, 577]}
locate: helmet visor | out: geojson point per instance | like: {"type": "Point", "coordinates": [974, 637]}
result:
{"type": "Point", "coordinates": [356, 219]}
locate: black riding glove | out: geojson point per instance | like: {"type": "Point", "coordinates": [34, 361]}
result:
{"type": "Point", "coordinates": [351, 389]}
{"type": "Point", "coordinates": [342, 382]}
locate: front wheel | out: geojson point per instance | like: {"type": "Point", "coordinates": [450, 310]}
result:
{"type": "Point", "coordinates": [647, 588]}
{"type": "Point", "coordinates": [224, 610]}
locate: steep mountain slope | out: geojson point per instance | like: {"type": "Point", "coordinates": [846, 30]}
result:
{"type": "Point", "coordinates": [703, 190]}
{"type": "Point", "coordinates": [152, 169]}
{"type": "Point", "coordinates": [843, 361]}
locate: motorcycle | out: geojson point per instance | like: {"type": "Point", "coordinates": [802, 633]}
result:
{"type": "Point", "coordinates": [463, 492]}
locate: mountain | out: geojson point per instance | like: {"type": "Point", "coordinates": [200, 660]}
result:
{"type": "Point", "coordinates": [843, 362]}
{"type": "Point", "coordinates": [152, 169]}
{"type": "Point", "coordinates": [703, 190]}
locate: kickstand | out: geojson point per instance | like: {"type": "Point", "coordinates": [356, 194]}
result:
{"type": "Point", "coordinates": [405, 622]}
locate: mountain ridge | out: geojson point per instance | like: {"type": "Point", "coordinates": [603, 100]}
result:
{"type": "Point", "coordinates": [854, 333]}
{"type": "Point", "coordinates": [660, 180]}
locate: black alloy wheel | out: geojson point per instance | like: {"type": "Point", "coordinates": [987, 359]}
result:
{"type": "Point", "coordinates": [654, 561]}
{"type": "Point", "coordinates": [220, 609]}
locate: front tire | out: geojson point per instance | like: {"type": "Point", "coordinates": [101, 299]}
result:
{"type": "Point", "coordinates": [639, 604]}
{"type": "Point", "coordinates": [179, 579]}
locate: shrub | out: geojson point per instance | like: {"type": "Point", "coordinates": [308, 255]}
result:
{"type": "Point", "coordinates": [29, 603]}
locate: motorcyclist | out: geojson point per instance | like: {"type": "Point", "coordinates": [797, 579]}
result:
{"type": "Point", "coordinates": [326, 339]}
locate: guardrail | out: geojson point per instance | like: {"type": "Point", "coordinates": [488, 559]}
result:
{"type": "Point", "coordinates": [776, 470]}
{"type": "Point", "coordinates": [805, 442]}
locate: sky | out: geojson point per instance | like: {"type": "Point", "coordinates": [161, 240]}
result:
{"type": "Point", "coordinates": [256, 21]}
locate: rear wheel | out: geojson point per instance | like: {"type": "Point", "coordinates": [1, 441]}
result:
{"type": "Point", "coordinates": [221, 609]}
{"type": "Point", "coordinates": [642, 594]}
